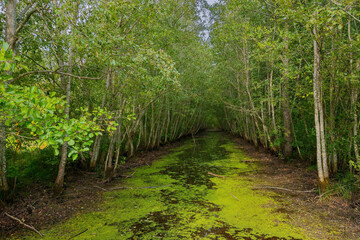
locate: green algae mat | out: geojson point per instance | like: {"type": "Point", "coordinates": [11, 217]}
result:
{"type": "Point", "coordinates": [200, 190]}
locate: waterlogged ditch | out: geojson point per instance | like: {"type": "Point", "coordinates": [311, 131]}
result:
{"type": "Point", "coordinates": [177, 198]}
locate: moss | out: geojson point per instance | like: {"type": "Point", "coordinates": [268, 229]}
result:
{"type": "Point", "coordinates": [187, 202]}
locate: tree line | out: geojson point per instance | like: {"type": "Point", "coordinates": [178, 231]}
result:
{"type": "Point", "coordinates": [91, 82]}
{"type": "Point", "coordinates": [288, 74]}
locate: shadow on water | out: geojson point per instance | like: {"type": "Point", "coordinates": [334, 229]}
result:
{"type": "Point", "coordinates": [190, 170]}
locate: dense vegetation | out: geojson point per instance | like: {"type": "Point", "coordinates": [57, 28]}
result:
{"type": "Point", "coordinates": [91, 82]}
{"type": "Point", "coordinates": [95, 81]}
{"type": "Point", "coordinates": [288, 73]}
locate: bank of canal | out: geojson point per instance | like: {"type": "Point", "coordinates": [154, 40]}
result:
{"type": "Point", "coordinates": [200, 190]}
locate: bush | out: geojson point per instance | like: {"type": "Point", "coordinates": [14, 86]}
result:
{"type": "Point", "coordinates": [32, 166]}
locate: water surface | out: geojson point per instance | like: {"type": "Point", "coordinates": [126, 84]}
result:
{"type": "Point", "coordinates": [200, 190]}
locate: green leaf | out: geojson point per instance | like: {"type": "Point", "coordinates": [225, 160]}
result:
{"type": "Point", "coordinates": [71, 142]}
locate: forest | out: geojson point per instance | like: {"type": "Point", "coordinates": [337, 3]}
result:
{"type": "Point", "coordinates": [85, 85]}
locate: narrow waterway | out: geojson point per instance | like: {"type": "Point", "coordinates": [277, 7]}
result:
{"type": "Point", "coordinates": [200, 190]}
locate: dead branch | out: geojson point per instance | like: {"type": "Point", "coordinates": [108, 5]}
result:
{"type": "Point", "coordinates": [284, 189]}
{"type": "Point", "coordinates": [127, 176]}
{"type": "Point", "coordinates": [119, 188]}
{"type": "Point", "coordinates": [235, 197]}
{"type": "Point", "coordinates": [78, 234]}
{"type": "Point", "coordinates": [24, 224]}
{"type": "Point", "coordinates": [100, 188]}
{"type": "Point", "coordinates": [215, 175]}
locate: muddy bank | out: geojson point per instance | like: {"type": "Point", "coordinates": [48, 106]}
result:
{"type": "Point", "coordinates": [323, 217]}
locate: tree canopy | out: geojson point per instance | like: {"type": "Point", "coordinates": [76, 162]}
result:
{"type": "Point", "coordinates": [96, 81]}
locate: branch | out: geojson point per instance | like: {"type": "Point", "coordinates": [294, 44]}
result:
{"type": "Point", "coordinates": [50, 72]}
{"type": "Point", "coordinates": [52, 39]}
{"type": "Point", "coordinates": [339, 5]}
{"type": "Point", "coordinates": [20, 136]}
{"type": "Point", "coordinates": [284, 189]}
{"type": "Point", "coordinates": [149, 187]}
{"type": "Point", "coordinates": [78, 234]}
{"type": "Point", "coordinates": [23, 12]}
{"type": "Point", "coordinates": [24, 224]}
{"type": "Point", "coordinates": [34, 61]}
{"type": "Point", "coordinates": [234, 197]}
{"type": "Point", "coordinates": [26, 19]}
{"type": "Point", "coordinates": [215, 175]}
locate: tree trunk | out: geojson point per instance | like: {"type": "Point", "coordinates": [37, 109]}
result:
{"type": "Point", "coordinates": [272, 100]}
{"type": "Point", "coordinates": [354, 98]}
{"type": "Point", "coordinates": [11, 24]}
{"type": "Point", "coordinates": [59, 182]}
{"type": "Point", "coordinates": [319, 120]}
{"type": "Point", "coordinates": [11, 40]}
{"type": "Point", "coordinates": [3, 180]}
{"type": "Point", "coordinates": [285, 103]}
{"type": "Point", "coordinates": [97, 142]}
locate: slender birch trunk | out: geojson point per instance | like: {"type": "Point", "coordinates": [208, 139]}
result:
{"type": "Point", "coordinates": [59, 182]}
{"type": "Point", "coordinates": [11, 40]}
{"type": "Point", "coordinates": [323, 171]}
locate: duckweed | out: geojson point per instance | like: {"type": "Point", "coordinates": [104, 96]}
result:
{"type": "Point", "coordinates": [177, 198]}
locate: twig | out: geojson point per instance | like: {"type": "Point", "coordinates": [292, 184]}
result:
{"type": "Point", "coordinates": [284, 189]}
{"type": "Point", "coordinates": [323, 194]}
{"type": "Point", "coordinates": [215, 175]}
{"type": "Point", "coordinates": [100, 188]}
{"type": "Point", "coordinates": [339, 5]}
{"type": "Point", "coordinates": [78, 234]}
{"type": "Point", "coordinates": [24, 224]}
{"type": "Point", "coordinates": [51, 72]}
{"type": "Point", "coordinates": [291, 218]}
{"type": "Point", "coordinates": [26, 20]}
{"type": "Point", "coordinates": [128, 176]}
{"type": "Point", "coordinates": [234, 197]}
{"type": "Point", "coordinates": [118, 188]}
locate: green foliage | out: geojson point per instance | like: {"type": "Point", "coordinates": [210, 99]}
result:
{"type": "Point", "coordinates": [27, 167]}
{"type": "Point", "coordinates": [138, 73]}
{"type": "Point", "coordinates": [30, 114]}
{"type": "Point", "coordinates": [347, 186]}
{"type": "Point", "coordinates": [261, 48]}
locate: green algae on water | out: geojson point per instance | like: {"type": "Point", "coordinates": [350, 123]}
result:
{"type": "Point", "coordinates": [177, 198]}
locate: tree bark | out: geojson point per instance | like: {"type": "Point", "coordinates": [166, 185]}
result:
{"type": "Point", "coordinates": [11, 40]}
{"type": "Point", "coordinates": [286, 102]}
{"type": "Point", "coordinates": [96, 147]}
{"type": "Point", "coordinates": [59, 182]}
{"type": "Point", "coordinates": [11, 24]}
{"type": "Point", "coordinates": [323, 171]}
{"type": "Point", "coordinates": [4, 187]}
{"type": "Point", "coordinates": [354, 98]}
